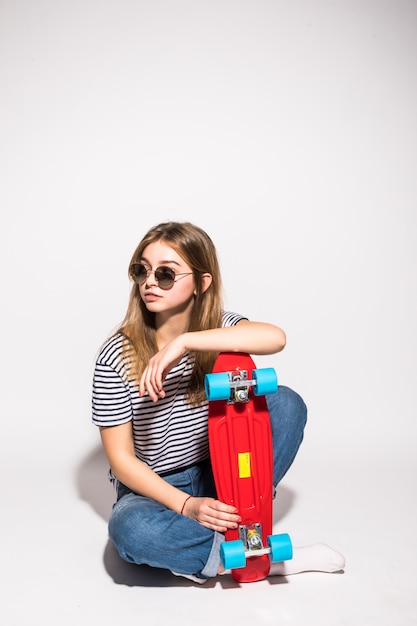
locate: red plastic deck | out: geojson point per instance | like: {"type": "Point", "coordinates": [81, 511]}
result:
{"type": "Point", "coordinates": [241, 455]}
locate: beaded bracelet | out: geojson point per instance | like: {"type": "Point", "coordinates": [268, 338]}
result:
{"type": "Point", "coordinates": [185, 502]}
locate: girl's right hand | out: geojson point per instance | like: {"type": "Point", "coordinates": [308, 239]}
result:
{"type": "Point", "coordinates": [212, 513]}
{"type": "Point", "coordinates": [160, 364]}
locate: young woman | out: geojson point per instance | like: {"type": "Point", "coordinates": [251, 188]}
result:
{"type": "Point", "coordinates": [150, 405]}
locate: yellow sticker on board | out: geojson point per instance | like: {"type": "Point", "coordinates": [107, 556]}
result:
{"type": "Point", "coordinates": [244, 464]}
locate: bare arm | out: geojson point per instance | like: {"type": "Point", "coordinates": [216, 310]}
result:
{"type": "Point", "coordinates": [132, 472]}
{"type": "Point", "coordinates": [118, 446]}
{"type": "Point", "coordinates": [251, 337]}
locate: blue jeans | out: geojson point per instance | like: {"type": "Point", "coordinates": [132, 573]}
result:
{"type": "Point", "coordinates": [146, 532]}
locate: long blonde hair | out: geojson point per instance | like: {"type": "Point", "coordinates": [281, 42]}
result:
{"type": "Point", "coordinates": [138, 327]}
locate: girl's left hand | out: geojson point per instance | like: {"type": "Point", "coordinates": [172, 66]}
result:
{"type": "Point", "coordinates": [212, 513]}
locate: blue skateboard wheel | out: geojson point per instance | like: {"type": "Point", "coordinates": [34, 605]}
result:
{"type": "Point", "coordinates": [281, 548]}
{"type": "Point", "coordinates": [266, 381]}
{"type": "Point", "coordinates": [217, 386]}
{"type": "Point", "coordinates": [232, 554]}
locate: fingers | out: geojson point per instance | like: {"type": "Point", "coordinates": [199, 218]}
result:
{"type": "Point", "coordinates": [214, 514]}
{"type": "Point", "coordinates": [159, 365]}
{"type": "Point", "coordinates": [152, 379]}
{"type": "Point", "coordinates": [151, 382]}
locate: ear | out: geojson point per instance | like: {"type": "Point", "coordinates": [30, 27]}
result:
{"type": "Point", "coordinates": [206, 281]}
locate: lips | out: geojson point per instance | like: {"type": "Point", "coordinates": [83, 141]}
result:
{"type": "Point", "coordinates": [151, 297]}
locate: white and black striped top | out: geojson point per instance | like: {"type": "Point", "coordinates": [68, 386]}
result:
{"type": "Point", "coordinates": [169, 434]}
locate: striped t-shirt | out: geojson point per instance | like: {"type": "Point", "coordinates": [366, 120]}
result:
{"type": "Point", "coordinates": [168, 434]}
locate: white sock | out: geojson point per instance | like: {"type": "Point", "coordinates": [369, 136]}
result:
{"type": "Point", "coordinates": [318, 557]}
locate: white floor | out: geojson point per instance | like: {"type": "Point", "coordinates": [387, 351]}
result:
{"type": "Point", "coordinates": [59, 568]}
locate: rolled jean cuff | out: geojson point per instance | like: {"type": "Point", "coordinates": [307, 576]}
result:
{"type": "Point", "coordinates": [211, 568]}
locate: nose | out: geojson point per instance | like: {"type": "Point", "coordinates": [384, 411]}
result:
{"type": "Point", "coordinates": [149, 273]}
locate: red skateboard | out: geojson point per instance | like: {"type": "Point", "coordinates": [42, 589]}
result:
{"type": "Point", "coordinates": [241, 456]}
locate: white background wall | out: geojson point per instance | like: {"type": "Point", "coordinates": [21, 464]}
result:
{"type": "Point", "coordinates": [286, 129]}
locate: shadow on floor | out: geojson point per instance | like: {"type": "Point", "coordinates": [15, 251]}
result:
{"type": "Point", "coordinates": [93, 486]}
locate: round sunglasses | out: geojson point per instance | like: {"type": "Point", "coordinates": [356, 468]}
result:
{"type": "Point", "coordinates": [164, 276]}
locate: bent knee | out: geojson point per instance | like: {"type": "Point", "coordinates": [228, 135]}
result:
{"type": "Point", "coordinates": [287, 405]}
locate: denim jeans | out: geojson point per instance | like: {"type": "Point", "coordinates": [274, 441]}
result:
{"type": "Point", "coordinates": [146, 532]}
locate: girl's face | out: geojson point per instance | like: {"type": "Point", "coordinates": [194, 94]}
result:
{"type": "Point", "coordinates": [178, 298]}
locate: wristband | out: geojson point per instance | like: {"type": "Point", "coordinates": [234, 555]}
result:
{"type": "Point", "coordinates": [185, 502]}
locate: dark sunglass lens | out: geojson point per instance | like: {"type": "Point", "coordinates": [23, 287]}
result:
{"type": "Point", "coordinates": [165, 277]}
{"type": "Point", "coordinates": [138, 272]}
